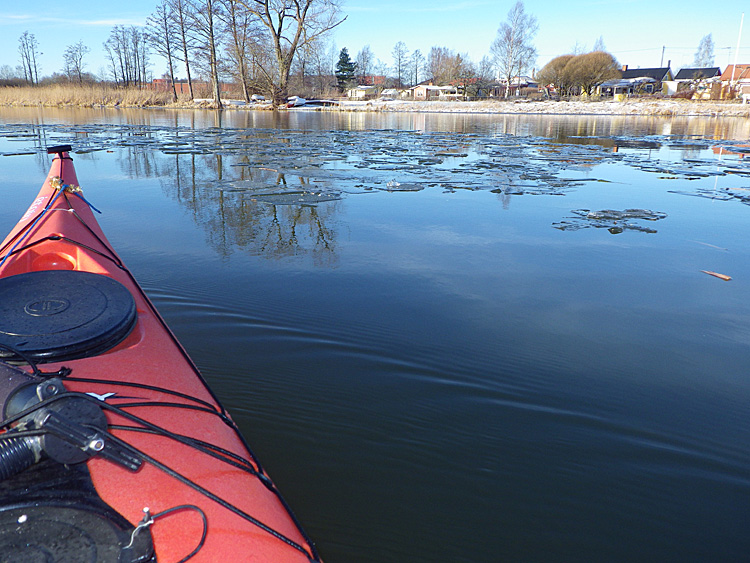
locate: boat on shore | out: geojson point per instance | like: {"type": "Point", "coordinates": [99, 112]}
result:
{"type": "Point", "coordinates": [297, 102]}
{"type": "Point", "coordinates": [113, 447]}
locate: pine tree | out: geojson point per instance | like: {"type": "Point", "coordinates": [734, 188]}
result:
{"type": "Point", "coordinates": [345, 69]}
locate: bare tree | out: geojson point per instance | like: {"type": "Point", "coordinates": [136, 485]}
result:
{"type": "Point", "coordinates": [139, 53]}
{"type": "Point", "coordinates": [313, 68]}
{"type": "Point", "coordinates": [365, 60]}
{"type": "Point", "coordinates": [599, 44]}
{"type": "Point", "coordinates": [161, 33]}
{"type": "Point", "coordinates": [181, 16]}
{"type": "Point", "coordinates": [28, 49]}
{"type": "Point", "coordinates": [445, 66]}
{"type": "Point", "coordinates": [127, 52]}
{"type": "Point", "coordinates": [485, 75]}
{"type": "Point", "coordinates": [591, 69]}
{"type": "Point", "coordinates": [243, 33]}
{"type": "Point", "coordinates": [73, 58]}
{"type": "Point", "coordinates": [513, 49]}
{"type": "Point", "coordinates": [437, 62]}
{"type": "Point", "coordinates": [301, 65]}
{"type": "Point", "coordinates": [205, 21]}
{"type": "Point", "coordinates": [8, 73]}
{"type": "Point", "coordinates": [466, 74]}
{"type": "Point", "coordinates": [417, 63]}
{"type": "Point", "coordinates": [704, 56]}
{"type": "Point", "coordinates": [322, 66]}
{"type": "Point", "coordinates": [120, 56]}
{"type": "Point", "coordinates": [400, 57]}
{"type": "Point", "coordinates": [292, 24]}
{"type": "Point", "coordinates": [554, 73]}
{"type": "Point", "coordinates": [380, 68]}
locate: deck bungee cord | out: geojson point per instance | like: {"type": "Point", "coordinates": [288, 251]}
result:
{"type": "Point", "coordinates": [11, 439]}
{"type": "Point", "coordinates": [58, 422]}
{"type": "Point", "coordinates": [149, 519]}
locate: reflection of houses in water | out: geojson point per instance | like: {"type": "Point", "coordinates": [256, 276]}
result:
{"type": "Point", "coordinates": [736, 150]}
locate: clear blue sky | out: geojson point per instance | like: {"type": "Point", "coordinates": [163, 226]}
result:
{"type": "Point", "coordinates": [635, 31]}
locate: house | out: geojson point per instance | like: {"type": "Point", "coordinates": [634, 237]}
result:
{"type": "Point", "coordinates": [372, 80]}
{"type": "Point", "coordinates": [422, 92]}
{"type": "Point", "coordinates": [704, 83]}
{"type": "Point", "coordinates": [497, 89]}
{"type": "Point", "coordinates": [180, 86]}
{"type": "Point", "coordinates": [735, 81]}
{"type": "Point", "coordinates": [647, 80]}
{"type": "Point", "coordinates": [390, 94]}
{"type": "Point", "coordinates": [362, 93]}
{"type": "Point", "coordinates": [697, 74]}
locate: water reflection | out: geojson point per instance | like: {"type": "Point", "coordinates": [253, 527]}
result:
{"type": "Point", "coordinates": [237, 216]}
{"type": "Point", "coordinates": [268, 182]}
{"type": "Point", "coordinates": [573, 395]}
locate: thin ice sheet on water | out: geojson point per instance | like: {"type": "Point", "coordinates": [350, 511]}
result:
{"type": "Point", "coordinates": [346, 161]}
{"type": "Point", "coordinates": [613, 220]}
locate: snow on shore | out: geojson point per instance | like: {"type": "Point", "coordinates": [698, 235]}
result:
{"type": "Point", "coordinates": [655, 107]}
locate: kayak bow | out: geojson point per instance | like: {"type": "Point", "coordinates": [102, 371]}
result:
{"type": "Point", "coordinates": [116, 450]}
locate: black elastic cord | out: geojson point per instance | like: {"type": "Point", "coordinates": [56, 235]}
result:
{"type": "Point", "coordinates": [147, 387]}
{"type": "Point", "coordinates": [202, 514]}
{"type": "Point", "coordinates": [23, 356]}
{"type": "Point", "coordinates": [168, 470]}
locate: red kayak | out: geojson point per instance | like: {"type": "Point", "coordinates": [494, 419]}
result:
{"type": "Point", "coordinates": [113, 447]}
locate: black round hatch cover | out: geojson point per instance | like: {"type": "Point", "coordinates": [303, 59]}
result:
{"type": "Point", "coordinates": [67, 534]}
{"type": "Point", "coordinates": [60, 315]}
{"type": "Point", "coordinates": [52, 513]}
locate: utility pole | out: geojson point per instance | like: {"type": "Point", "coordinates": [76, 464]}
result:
{"type": "Point", "coordinates": [661, 64]}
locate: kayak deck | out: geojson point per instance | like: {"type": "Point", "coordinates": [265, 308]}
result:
{"type": "Point", "coordinates": [196, 467]}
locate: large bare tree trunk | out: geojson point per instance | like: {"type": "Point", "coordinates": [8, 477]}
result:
{"type": "Point", "coordinates": [292, 24]}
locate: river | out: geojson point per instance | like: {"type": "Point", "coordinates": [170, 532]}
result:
{"type": "Point", "coordinates": [464, 338]}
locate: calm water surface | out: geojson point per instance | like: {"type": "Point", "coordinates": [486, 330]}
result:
{"type": "Point", "coordinates": [450, 337]}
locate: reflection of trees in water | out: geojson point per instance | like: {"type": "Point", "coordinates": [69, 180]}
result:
{"type": "Point", "coordinates": [237, 218]}
{"type": "Point", "coordinates": [137, 163]}
{"type": "Point", "coordinates": [290, 230]}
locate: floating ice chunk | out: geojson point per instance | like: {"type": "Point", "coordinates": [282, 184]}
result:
{"type": "Point", "coordinates": [614, 215]}
{"type": "Point", "coordinates": [614, 221]}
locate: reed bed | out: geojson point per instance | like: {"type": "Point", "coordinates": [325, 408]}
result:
{"type": "Point", "coordinates": [83, 95]}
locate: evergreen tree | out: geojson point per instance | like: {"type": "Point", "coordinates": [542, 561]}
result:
{"type": "Point", "coordinates": [345, 69]}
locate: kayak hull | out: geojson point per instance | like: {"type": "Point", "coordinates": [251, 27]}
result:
{"type": "Point", "coordinates": [155, 401]}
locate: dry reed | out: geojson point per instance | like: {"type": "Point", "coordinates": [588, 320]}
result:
{"type": "Point", "coordinates": [83, 95]}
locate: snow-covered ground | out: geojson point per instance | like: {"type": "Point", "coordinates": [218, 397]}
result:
{"type": "Point", "coordinates": [666, 107]}
{"type": "Point", "coordinates": [643, 106]}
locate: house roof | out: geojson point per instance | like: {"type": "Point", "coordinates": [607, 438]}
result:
{"type": "Point", "coordinates": [698, 73]}
{"type": "Point", "coordinates": [431, 87]}
{"type": "Point", "coordinates": [730, 74]}
{"type": "Point", "coordinates": [627, 82]}
{"type": "Point", "coordinates": [655, 73]}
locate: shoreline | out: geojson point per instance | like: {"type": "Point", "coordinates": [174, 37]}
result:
{"type": "Point", "coordinates": [643, 107]}
{"type": "Point", "coordinates": [637, 107]}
